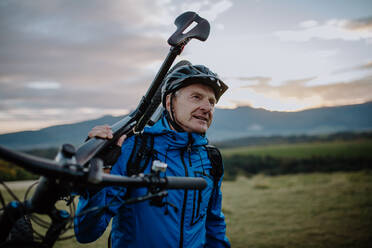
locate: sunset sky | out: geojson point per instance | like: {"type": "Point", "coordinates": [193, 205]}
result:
{"type": "Point", "coordinates": [68, 61]}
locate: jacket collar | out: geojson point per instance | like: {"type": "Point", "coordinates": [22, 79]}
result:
{"type": "Point", "coordinates": [174, 138]}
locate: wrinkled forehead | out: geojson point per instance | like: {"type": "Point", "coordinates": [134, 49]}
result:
{"type": "Point", "coordinates": [198, 88]}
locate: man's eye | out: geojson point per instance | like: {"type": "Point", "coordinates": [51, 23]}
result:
{"type": "Point", "coordinates": [196, 97]}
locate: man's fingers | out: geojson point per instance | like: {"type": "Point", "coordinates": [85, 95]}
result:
{"type": "Point", "coordinates": [100, 134]}
{"type": "Point", "coordinates": [104, 132]}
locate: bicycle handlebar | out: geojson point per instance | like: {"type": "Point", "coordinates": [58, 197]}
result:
{"type": "Point", "coordinates": [37, 165]}
{"type": "Point", "coordinates": [50, 168]}
{"type": "Point", "coordinates": [143, 181]}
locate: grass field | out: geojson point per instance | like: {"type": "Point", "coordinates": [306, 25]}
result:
{"type": "Point", "coordinates": [304, 210]}
{"type": "Point", "coordinates": [308, 210]}
{"type": "Point", "coordinates": [353, 148]}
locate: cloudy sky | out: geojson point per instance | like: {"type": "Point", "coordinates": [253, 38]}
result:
{"type": "Point", "coordinates": [67, 61]}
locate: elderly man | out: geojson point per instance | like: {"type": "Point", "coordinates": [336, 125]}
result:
{"type": "Point", "coordinates": [187, 218]}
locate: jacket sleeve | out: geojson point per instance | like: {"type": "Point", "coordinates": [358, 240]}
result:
{"type": "Point", "coordinates": [215, 223]}
{"type": "Point", "coordinates": [94, 211]}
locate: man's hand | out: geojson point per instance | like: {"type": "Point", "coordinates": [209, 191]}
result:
{"type": "Point", "coordinates": [105, 132]}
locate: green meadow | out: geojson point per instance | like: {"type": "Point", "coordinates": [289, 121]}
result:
{"type": "Point", "coordinates": [294, 158]}
{"type": "Point", "coordinates": [342, 148]}
{"type": "Point", "coordinates": [303, 210]}
{"type": "Point", "coordinates": [307, 210]}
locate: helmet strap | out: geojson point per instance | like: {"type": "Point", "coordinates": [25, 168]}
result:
{"type": "Point", "coordinates": [170, 117]}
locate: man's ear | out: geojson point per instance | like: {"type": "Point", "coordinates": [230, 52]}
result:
{"type": "Point", "coordinates": [167, 102]}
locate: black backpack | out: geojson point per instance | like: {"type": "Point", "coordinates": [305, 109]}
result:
{"type": "Point", "coordinates": [143, 151]}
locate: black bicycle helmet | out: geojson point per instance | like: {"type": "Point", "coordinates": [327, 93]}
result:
{"type": "Point", "coordinates": [185, 74]}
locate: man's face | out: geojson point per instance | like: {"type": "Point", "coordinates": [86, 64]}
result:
{"type": "Point", "coordinates": [193, 107]}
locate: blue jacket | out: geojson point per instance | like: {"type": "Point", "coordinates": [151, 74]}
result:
{"type": "Point", "coordinates": [197, 220]}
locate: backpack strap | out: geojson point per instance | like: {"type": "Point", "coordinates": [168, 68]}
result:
{"type": "Point", "coordinates": [110, 155]}
{"type": "Point", "coordinates": [215, 157]}
{"type": "Point", "coordinates": [141, 154]}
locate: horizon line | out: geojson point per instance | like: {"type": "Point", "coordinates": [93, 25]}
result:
{"type": "Point", "coordinates": [62, 123]}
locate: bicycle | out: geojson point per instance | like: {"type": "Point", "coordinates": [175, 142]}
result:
{"type": "Point", "coordinates": [73, 172]}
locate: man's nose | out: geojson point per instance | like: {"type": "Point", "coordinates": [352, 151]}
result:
{"type": "Point", "coordinates": [207, 106]}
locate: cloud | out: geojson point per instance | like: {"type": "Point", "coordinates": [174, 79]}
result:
{"type": "Point", "coordinates": [308, 24]}
{"type": "Point", "coordinates": [44, 85]}
{"type": "Point", "coordinates": [337, 92]}
{"type": "Point", "coordinates": [33, 119]}
{"type": "Point", "coordinates": [76, 42]}
{"type": "Point", "coordinates": [342, 29]}
{"type": "Point", "coordinates": [100, 35]}
{"type": "Point", "coordinates": [87, 55]}
{"type": "Point", "coordinates": [216, 9]}
{"type": "Point", "coordinates": [87, 41]}
{"type": "Point", "coordinates": [366, 66]}
{"type": "Point", "coordinates": [296, 94]}
{"type": "Point", "coordinates": [363, 24]}
{"type": "Point", "coordinates": [256, 80]}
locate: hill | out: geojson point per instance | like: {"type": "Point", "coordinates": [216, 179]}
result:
{"type": "Point", "coordinates": [246, 121]}
{"type": "Point", "coordinates": [53, 136]}
{"type": "Point", "coordinates": [228, 124]}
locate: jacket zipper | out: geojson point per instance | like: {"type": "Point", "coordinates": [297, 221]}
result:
{"type": "Point", "coordinates": [200, 195]}
{"type": "Point", "coordinates": [184, 200]}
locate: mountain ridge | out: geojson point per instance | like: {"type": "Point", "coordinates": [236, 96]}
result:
{"type": "Point", "coordinates": [227, 124]}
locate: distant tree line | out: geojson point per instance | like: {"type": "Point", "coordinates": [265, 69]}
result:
{"type": "Point", "coordinates": [253, 164]}
{"type": "Point", "coordinates": [293, 139]}
{"type": "Point", "coordinates": [12, 172]}
{"type": "Point", "coordinates": [249, 165]}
